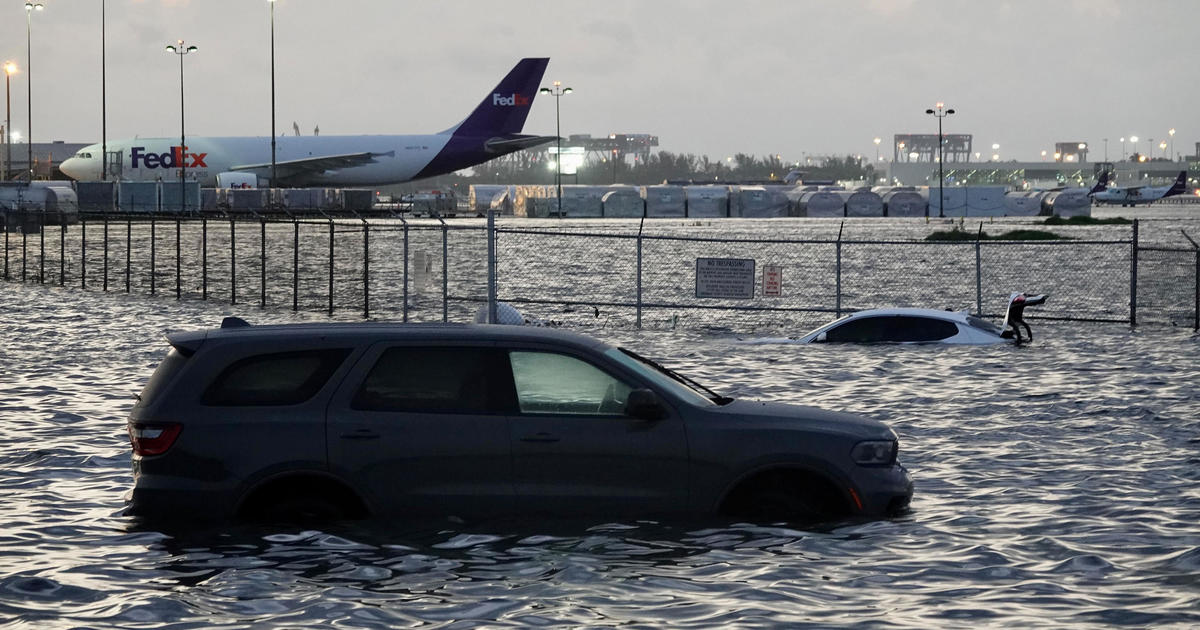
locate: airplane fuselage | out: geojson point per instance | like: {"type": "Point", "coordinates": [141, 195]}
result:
{"type": "Point", "coordinates": [492, 129]}
{"type": "Point", "coordinates": [398, 159]}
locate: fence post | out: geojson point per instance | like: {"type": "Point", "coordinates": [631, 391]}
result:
{"type": "Point", "coordinates": [62, 250]}
{"type": "Point", "coordinates": [232, 260]}
{"type": "Point", "coordinates": [42, 245]}
{"type": "Point", "coordinates": [262, 259]}
{"type": "Point", "coordinates": [106, 252]}
{"type": "Point", "coordinates": [979, 272]}
{"type": "Point", "coordinates": [82, 254]}
{"type": "Point", "coordinates": [24, 244]}
{"type": "Point", "coordinates": [331, 266]}
{"type": "Point", "coordinates": [1133, 275]}
{"type": "Point", "coordinates": [7, 222]}
{"type": "Point", "coordinates": [128, 251]}
{"type": "Point", "coordinates": [405, 279]}
{"type": "Point", "coordinates": [491, 271]}
{"type": "Point", "coordinates": [366, 269]}
{"type": "Point", "coordinates": [295, 264]}
{"type": "Point", "coordinates": [445, 270]}
{"type": "Point", "coordinates": [639, 273]}
{"type": "Point", "coordinates": [153, 254]}
{"type": "Point", "coordinates": [203, 258]}
{"type": "Point", "coordinates": [838, 273]}
{"type": "Point", "coordinates": [178, 259]}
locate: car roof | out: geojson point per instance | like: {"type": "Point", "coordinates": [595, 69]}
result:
{"type": "Point", "coordinates": [954, 316]}
{"type": "Point", "coordinates": [357, 332]}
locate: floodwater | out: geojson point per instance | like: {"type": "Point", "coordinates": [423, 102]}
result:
{"type": "Point", "coordinates": [1057, 485]}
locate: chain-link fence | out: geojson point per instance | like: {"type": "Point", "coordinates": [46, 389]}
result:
{"type": "Point", "coordinates": [605, 273]}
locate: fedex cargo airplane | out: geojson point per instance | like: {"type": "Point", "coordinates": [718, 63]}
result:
{"type": "Point", "coordinates": [492, 130]}
{"type": "Point", "coordinates": [1133, 195]}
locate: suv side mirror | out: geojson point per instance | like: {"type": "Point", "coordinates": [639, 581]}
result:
{"type": "Point", "coordinates": [644, 404]}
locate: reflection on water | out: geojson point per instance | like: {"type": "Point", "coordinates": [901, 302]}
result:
{"type": "Point", "coordinates": [1056, 486]}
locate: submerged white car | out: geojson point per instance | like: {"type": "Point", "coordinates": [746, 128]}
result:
{"type": "Point", "coordinates": [926, 325]}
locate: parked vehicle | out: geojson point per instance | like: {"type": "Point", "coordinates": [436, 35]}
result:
{"type": "Point", "coordinates": [926, 325]}
{"type": "Point", "coordinates": [347, 420]}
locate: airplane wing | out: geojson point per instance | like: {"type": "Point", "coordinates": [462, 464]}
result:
{"type": "Point", "coordinates": [312, 165]}
{"type": "Point", "coordinates": [515, 143]}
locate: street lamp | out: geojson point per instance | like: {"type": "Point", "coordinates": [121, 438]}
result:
{"type": "Point", "coordinates": [272, 2]}
{"type": "Point", "coordinates": [877, 141]}
{"type": "Point", "coordinates": [940, 112]}
{"type": "Point", "coordinates": [1105, 149]}
{"type": "Point", "coordinates": [1162, 146]}
{"type": "Point", "coordinates": [1133, 139]}
{"type": "Point", "coordinates": [1082, 151]}
{"type": "Point", "coordinates": [557, 91]}
{"type": "Point", "coordinates": [1172, 134]}
{"type": "Point", "coordinates": [1122, 149]}
{"type": "Point", "coordinates": [180, 50]}
{"type": "Point", "coordinates": [30, 7]}
{"type": "Point", "coordinates": [10, 69]}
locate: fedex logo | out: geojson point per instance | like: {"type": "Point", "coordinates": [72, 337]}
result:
{"type": "Point", "coordinates": [177, 157]}
{"type": "Point", "coordinates": [516, 100]}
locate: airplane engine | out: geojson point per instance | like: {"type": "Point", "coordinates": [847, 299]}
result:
{"type": "Point", "coordinates": [233, 179]}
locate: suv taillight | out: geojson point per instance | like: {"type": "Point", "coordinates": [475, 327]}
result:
{"type": "Point", "coordinates": [153, 439]}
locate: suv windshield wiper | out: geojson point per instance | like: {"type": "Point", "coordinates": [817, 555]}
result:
{"type": "Point", "coordinates": [710, 394]}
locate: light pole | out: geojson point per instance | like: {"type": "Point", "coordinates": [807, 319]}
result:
{"type": "Point", "coordinates": [940, 113]}
{"type": "Point", "coordinates": [557, 92]}
{"type": "Point", "coordinates": [1105, 149]}
{"type": "Point", "coordinates": [272, 2]}
{"type": "Point", "coordinates": [30, 7]}
{"type": "Point", "coordinates": [1133, 139]}
{"type": "Point", "coordinates": [877, 141]}
{"type": "Point", "coordinates": [1122, 149]}
{"type": "Point", "coordinates": [103, 100]}
{"type": "Point", "coordinates": [180, 50]}
{"type": "Point", "coordinates": [1171, 133]}
{"type": "Point", "coordinates": [1162, 146]}
{"type": "Point", "coordinates": [10, 68]}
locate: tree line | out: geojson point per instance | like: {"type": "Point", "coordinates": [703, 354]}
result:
{"type": "Point", "coordinates": [535, 167]}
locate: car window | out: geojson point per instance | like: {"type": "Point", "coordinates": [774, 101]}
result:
{"type": "Point", "coordinates": [554, 383]}
{"type": "Point", "coordinates": [437, 380]}
{"type": "Point", "coordinates": [892, 328]}
{"type": "Point", "coordinates": [908, 328]}
{"type": "Point", "coordinates": [282, 378]}
{"type": "Point", "coordinates": [860, 330]}
{"type": "Point", "coordinates": [169, 367]}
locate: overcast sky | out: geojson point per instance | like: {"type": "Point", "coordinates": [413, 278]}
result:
{"type": "Point", "coordinates": [715, 77]}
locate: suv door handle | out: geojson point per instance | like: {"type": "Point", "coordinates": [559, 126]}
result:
{"type": "Point", "coordinates": [542, 437]}
{"type": "Point", "coordinates": [360, 434]}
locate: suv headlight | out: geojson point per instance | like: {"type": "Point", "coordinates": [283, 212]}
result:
{"type": "Point", "coordinates": [875, 452]}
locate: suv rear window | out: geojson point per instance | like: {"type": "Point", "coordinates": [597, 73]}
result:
{"type": "Point", "coordinates": [169, 367]}
{"type": "Point", "coordinates": [283, 378]}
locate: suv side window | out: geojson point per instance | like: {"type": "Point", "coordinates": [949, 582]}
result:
{"type": "Point", "coordinates": [282, 378]}
{"type": "Point", "coordinates": [437, 380]}
{"type": "Point", "coordinates": [554, 383]}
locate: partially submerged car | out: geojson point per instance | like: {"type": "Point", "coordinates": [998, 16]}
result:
{"type": "Point", "coordinates": [926, 325]}
{"type": "Point", "coordinates": [343, 420]}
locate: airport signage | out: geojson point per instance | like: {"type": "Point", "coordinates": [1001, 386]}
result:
{"type": "Point", "coordinates": [726, 278]}
{"type": "Point", "coordinates": [515, 100]}
{"type": "Point", "coordinates": [175, 158]}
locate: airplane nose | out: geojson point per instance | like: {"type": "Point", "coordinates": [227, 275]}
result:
{"type": "Point", "coordinates": [73, 168]}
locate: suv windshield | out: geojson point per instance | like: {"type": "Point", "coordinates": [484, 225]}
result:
{"type": "Point", "coordinates": [667, 379]}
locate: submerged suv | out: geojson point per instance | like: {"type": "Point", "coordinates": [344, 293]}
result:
{"type": "Point", "coordinates": [348, 420]}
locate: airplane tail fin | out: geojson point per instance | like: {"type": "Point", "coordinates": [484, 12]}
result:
{"type": "Point", "coordinates": [1101, 183]}
{"type": "Point", "coordinates": [1180, 185]}
{"type": "Point", "coordinates": [504, 110]}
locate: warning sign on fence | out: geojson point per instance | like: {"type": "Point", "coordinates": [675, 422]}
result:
{"type": "Point", "coordinates": [772, 280]}
{"type": "Point", "coordinates": [729, 278]}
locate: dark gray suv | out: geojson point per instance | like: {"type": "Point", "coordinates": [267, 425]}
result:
{"type": "Point", "coordinates": [346, 420]}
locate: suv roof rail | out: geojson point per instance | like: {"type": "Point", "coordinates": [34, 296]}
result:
{"type": "Point", "coordinates": [234, 322]}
